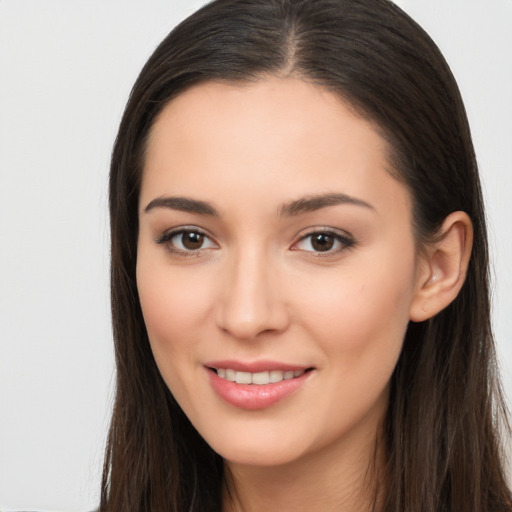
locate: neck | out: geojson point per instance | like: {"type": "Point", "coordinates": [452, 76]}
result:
{"type": "Point", "coordinates": [342, 478]}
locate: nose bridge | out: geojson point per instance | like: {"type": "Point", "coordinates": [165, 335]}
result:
{"type": "Point", "coordinates": [251, 300]}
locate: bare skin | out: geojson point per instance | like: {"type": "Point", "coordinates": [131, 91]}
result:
{"type": "Point", "coordinates": [272, 233]}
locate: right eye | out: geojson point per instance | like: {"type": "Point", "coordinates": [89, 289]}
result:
{"type": "Point", "coordinates": [184, 241]}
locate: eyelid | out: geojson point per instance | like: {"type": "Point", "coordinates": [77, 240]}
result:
{"type": "Point", "coordinates": [345, 241]}
{"type": "Point", "coordinates": [343, 238]}
{"type": "Point", "coordinates": [166, 237]}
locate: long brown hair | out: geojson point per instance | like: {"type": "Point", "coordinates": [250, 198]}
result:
{"type": "Point", "coordinates": [446, 407]}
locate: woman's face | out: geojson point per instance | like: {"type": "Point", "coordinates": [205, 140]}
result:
{"type": "Point", "coordinates": [276, 250]}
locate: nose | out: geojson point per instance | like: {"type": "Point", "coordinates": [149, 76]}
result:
{"type": "Point", "coordinates": [251, 301]}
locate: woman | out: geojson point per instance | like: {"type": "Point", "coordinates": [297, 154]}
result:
{"type": "Point", "coordinates": [299, 271]}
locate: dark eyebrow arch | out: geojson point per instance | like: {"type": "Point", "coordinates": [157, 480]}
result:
{"type": "Point", "coordinates": [313, 203]}
{"type": "Point", "coordinates": [183, 204]}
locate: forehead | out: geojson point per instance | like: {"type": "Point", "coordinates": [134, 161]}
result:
{"type": "Point", "coordinates": [282, 137]}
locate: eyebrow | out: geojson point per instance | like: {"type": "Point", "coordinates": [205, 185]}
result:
{"type": "Point", "coordinates": [291, 209]}
{"type": "Point", "coordinates": [183, 204]}
{"type": "Point", "coordinates": [313, 203]}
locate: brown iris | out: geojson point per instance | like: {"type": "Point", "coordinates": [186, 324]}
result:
{"type": "Point", "coordinates": [192, 240]}
{"type": "Point", "coordinates": [322, 242]}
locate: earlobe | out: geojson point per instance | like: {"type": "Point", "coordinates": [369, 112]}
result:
{"type": "Point", "coordinates": [443, 267]}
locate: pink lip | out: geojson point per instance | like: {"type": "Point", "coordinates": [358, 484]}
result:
{"type": "Point", "coordinates": [251, 396]}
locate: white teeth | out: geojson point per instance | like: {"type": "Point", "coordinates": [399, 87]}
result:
{"type": "Point", "coordinates": [276, 376]}
{"type": "Point", "coordinates": [259, 378]}
{"type": "Point", "coordinates": [243, 378]}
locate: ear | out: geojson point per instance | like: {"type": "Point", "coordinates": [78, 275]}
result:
{"type": "Point", "coordinates": [442, 267]}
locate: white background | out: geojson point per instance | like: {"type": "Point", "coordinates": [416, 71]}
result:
{"type": "Point", "coordinates": [66, 68]}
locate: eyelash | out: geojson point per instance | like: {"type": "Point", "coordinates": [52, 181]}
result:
{"type": "Point", "coordinates": [167, 237]}
{"type": "Point", "coordinates": [344, 242]}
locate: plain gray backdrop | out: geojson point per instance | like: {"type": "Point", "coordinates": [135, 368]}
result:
{"type": "Point", "coordinates": [66, 68]}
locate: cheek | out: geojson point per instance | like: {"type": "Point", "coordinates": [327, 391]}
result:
{"type": "Point", "coordinates": [175, 305]}
{"type": "Point", "coordinates": [361, 312]}
{"type": "Point", "coordinates": [358, 320]}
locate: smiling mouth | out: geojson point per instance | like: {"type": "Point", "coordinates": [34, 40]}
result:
{"type": "Point", "coordinates": [258, 378]}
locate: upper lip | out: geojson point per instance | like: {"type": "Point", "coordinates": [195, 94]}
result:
{"type": "Point", "coordinates": [255, 366]}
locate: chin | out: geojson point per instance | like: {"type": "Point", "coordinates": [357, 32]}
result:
{"type": "Point", "coordinates": [259, 456]}
{"type": "Point", "coordinates": [250, 449]}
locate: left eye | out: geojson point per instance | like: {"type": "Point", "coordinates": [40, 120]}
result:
{"type": "Point", "coordinates": [186, 240]}
{"type": "Point", "coordinates": [324, 242]}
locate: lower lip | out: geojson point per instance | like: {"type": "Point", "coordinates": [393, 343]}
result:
{"type": "Point", "coordinates": [253, 396]}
